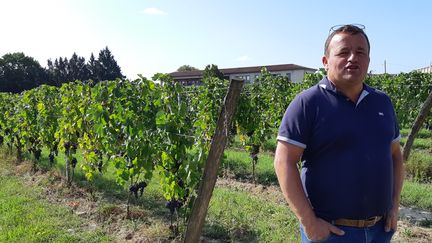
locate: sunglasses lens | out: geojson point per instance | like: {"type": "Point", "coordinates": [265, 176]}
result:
{"type": "Point", "coordinates": [336, 27]}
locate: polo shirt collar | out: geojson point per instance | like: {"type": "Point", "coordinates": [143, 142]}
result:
{"type": "Point", "coordinates": [326, 84]}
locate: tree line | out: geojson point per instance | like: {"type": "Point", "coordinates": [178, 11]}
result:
{"type": "Point", "coordinates": [19, 72]}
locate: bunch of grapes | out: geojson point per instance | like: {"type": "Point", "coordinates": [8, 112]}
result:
{"type": "Point", "coordinates": [138, 187]}
{"type": "Point", "coordinates": [173, 205]}
{"type": "Point", "coordinates": [74, 162]}
{"type": "Point", "coordinates": [51, 157]}
{"type": "Point", "coordinates": [100, 163]}
{"type": "Point", "coordinates": [69, 146]}
{"type": "Point", "coordinates": [37, 153]}
{"type": "Point", "coordinates": [254, 153]}
{"type": "Point", "coordinates": [74, 148]}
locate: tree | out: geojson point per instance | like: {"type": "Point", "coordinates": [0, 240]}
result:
{"type": "Point", "coordinates": [58, 71]}
{"type": "Point", "coordinates": [19, 72]}
{"type": "Point", "coordinates": [186, 68]}
{"type": "Point", "coordinates": [61, 71]}
{"type": "Point", "coordinates": [212, 71]}
{"type": "Point", "coordinates": [93, 68]}
{"type": "Point", "coordinates": [77, 68]}
{"type": "Point", "coordinates": [64, 70]}
{"type": "Point", "coordinates": [51, 73]}
{"type": "Point", "coordinates": [107, 67]}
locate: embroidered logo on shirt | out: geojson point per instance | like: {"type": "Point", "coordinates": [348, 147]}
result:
{"type": "Point", "coordinates": [380, 113]}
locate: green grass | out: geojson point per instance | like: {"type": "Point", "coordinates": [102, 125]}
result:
{"type": "Point", "coordinates": [423, 133]}
{"type": "Point", "coordinates": [26, 217]}
{"type": "Point", "coordinates": [419, 143]}
{"type": "Point", "coordinates": [240, 164]}
{"type": "Point", "coordinates": [417, 195]}
{"type": "Point", "coordinates": [419, 166]}
{"type": "Point", "coordinates": [236, 216]}
{"type": "Point", "coordinates": [268, 146]}
{"type": "Point", "coordinates": [104, 182]}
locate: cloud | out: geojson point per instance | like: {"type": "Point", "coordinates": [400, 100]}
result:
{"type": "Point", "coordinates": [243, 58]}
{"type": "Point", "coordinates": [153, 11]}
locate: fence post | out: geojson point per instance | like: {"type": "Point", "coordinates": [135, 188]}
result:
{"type": "Point", "coordinates": [217, 147]}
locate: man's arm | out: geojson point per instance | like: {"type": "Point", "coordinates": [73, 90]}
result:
{"type": "Point", "coordinates": [286, 158]}
{"type": "Point", "coordinates": [398, 177]}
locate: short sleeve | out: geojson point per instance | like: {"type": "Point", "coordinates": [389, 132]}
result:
{"type": "Point", "coordinates": [397, 136]}
{"type": "Point", "coordinates": [294, 128]}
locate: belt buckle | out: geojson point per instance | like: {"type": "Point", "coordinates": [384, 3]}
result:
{"type": "Point", "coordinates": [372, 221]}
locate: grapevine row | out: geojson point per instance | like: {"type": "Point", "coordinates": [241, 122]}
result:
{"type": "Point", "coordinates": [139, 127]}
{"type": "Point", "coordinates": [142, 128]}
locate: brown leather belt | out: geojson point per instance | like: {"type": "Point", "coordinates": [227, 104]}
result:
{"type": "Point", "coordinates": [362, 223]}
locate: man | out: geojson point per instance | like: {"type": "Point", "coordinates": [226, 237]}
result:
{"type": "Point", "coordinates": [347, 137]}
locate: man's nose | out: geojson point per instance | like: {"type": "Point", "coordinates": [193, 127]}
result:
{"type": "Point", "coordinates": [352, 56]}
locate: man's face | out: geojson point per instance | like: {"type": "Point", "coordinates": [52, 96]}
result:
{"type": "Point", "coordinates": [347, 59]}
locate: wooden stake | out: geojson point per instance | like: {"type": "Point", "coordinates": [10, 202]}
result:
{"type": "Point", "coordinates": [217, 147]}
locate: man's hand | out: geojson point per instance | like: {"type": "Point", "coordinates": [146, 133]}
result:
{"type": "Point", "coordinates": [391, 219]}
{"type": "Point", "coordinates": [320, 229]}
{"type": "Point", "coordinates": [286, 158]}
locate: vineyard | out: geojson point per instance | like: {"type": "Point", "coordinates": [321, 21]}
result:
{"type": "Point", "coordinates": [142, 130]}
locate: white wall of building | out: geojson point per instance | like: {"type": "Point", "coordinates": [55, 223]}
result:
{"type": "Point", "coordinates": [294, 75]}
{"type": "Point", "coordinates": [425, 69]}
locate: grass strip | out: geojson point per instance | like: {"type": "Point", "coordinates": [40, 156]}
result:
{"type": "Point", "coordinates": [26, 217]}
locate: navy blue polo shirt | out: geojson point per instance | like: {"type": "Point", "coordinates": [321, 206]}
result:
{"type": "Point", "coordinates": [347, 166]}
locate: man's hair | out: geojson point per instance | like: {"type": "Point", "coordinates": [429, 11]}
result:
{"type": "Point", "coordinates": [348, 29]}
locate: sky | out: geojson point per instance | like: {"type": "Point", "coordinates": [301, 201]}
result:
{"type": "Point", "coordinates": [151, 36]}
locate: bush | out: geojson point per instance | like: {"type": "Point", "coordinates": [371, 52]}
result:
{"type": "Point", "coordinates": [419, 167]}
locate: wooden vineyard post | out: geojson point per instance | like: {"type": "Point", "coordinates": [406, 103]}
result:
{"type": "Point", "coordinates": [217, 147]}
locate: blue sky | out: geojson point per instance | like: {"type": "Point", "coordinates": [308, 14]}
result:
{"type": "Point", "coordinates": [150, 36]}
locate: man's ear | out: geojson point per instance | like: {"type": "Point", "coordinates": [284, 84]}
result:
{"type": "Point", "coordinates": [325, 62]}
